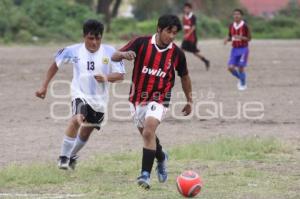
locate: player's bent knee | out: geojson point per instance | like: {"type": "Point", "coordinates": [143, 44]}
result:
{"type": "Point", "coordinates": [230, 69]}
{"type": "Point", "coordinates": [148, 134]}
{"type": "Point", "coordinates": [73, 121]}
{"type": "Point", "coordinates": [85, 132]}
{"type": "Point", "coordinates": [241, 69]}
{"type": "Point", "coordinates": [77, 119]}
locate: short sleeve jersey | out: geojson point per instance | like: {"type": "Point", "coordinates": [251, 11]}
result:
{"type": "Point", "coordinates": [238, 29]}
{"type": "Point", "coordinates": [85, 66]}
{"type": "Point", "coordinates": [189, 21]}
{"type": "Point", "coordinates": [154, 69]}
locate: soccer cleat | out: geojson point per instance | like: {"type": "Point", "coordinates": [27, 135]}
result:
{"type": "Point", "coordinates": [144, 180]}
{"type": "Point", "coordinates": [161, 169]}
{"type": "Point", "coordinates": [73, 162]}
{"type": "Point", "coordinates": [63, 162]}
{"type": "Point", "coordinates": [241, 87]}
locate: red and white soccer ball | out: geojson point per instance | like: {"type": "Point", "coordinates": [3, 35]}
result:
{"type": "Point", "coordinates": [189, 184]}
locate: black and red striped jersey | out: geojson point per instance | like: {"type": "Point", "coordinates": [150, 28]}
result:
{"type": "Point", "coordinates": [239, 29]}
{"type": "Point", "coordinates": [188, 22]}
{"type": "Point", "coordinates": [153, 75]}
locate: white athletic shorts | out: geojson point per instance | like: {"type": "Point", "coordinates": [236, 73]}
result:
{"type": "Point", "coordinates": [141, 112]}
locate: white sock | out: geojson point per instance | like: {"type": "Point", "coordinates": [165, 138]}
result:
{"type": "Point", "coordinates": [67, 146]}
{"type": "Point", "coordinates": [78, 144]}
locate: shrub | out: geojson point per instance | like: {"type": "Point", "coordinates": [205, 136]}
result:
{"type": "Point", "coordinates": [209, 27]}
{"type": "Point", "coordinates": [24, 36]}
{"type": "Point", "coordinates": [283, 22]}
{"type": "Point", "coordinates": [48, 20]}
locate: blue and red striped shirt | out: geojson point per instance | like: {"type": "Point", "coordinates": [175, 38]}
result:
{"type": "Point", "coordinates": [240, 29]}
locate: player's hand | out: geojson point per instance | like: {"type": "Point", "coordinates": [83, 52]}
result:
{"type": "Point", "coordinates": [100, 78]}
{"type": "Point", "coordinates": [237, 37]}
{"type": "Point", "coordinates": [241, 37]}
{"type": "Point", "coordinates": [41, 93]}
{"type": "Point", "coordinates": [187, 109]}
{"type": "Point", "coordinates": [129, 55]}
{"type": "Point", "coordinates": [225, 41]}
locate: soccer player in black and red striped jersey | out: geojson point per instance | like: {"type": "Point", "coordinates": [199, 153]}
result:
{"type": "Point", "coordinates": [189, 42]}
{"type": "Point", "coordinates": [240, 35]}
{"type": "Point", "coordinates": [156, 60]}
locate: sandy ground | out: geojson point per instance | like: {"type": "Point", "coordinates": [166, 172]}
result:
{"type": "Point", "coordinates": [29, 132]}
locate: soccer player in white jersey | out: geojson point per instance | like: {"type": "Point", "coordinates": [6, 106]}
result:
{"type": "Point", "coordinates": [93, 69]}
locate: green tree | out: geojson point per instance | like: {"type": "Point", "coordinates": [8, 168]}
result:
{"type": "Point", "coordinates": [28, 20]}
{"type": "Point", "coordinates": [88, 3]}
{"type": "Point", "coordinates": [148, 9]}
{"type": "Point", "coordinates": [219, 8]}
{"type": "Point", "coordinates": [104, 8]}
{"type": "Point", "coordinates": [292, 10]}
{"type": "Point", "coordinates": [8, 19]}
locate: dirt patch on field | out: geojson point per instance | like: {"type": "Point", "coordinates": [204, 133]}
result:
{"type": "Point", "coordinates": [30, 133]}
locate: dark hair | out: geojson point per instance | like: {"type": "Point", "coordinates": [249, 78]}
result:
{"type": "Point", "coordinates": [168, 21]}
{"type": "Point", "coordinates": [187, 4]}
{"type": "Point", "coordinates": [238, 10]}
{"type": "Point", "coordinates": [93, 27]}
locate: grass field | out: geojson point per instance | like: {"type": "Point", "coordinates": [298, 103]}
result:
{"type": "Point", "coordinates": [230, 168]}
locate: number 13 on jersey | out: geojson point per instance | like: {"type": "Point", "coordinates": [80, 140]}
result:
{"type": "Point", "coordinates": [90, 65]}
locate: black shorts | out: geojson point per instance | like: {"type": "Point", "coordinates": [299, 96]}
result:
{"type": "Point", "coordinates": [79, 106]}
{"type": "Point", "coordinates": [190, 46]}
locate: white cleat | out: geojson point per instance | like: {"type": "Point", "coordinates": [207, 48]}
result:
{"type": "Point", "coordinates": [241, 87]}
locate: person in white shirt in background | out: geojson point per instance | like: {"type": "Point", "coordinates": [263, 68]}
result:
{"type": "Point", "coordinates": [93, 69]}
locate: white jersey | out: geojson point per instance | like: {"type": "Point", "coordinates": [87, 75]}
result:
{"type": "Point", "coordinates": [85, 66]}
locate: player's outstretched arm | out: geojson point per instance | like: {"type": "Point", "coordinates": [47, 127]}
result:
{"type": "Point", "coordinates": [41, 93]}
{"type": "Point", "coordinates": [120, 55]}
{"type": "Point", "coordinates": [187, 89]}
{"type": "Point", "coordinates": [113, 77]}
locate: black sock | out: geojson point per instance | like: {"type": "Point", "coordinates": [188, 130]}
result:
{"type": "Point", "coordinates": [148, 159]}
{"type": "Point", "coordinates": [160, 156]}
